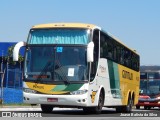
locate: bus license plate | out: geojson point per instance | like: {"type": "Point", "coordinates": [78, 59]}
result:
{"type": "Point", "coordinates": [52, 99]}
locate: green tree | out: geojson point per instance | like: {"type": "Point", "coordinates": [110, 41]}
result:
{"type": "Point", "coordinates": [9, 56]}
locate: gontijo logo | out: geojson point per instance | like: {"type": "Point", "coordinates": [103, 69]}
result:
{"type": "Point", "coordinates": [127, 75]}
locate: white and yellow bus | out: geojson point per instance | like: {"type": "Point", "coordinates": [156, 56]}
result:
{"type": "Point", "coordinates": [78, 65]}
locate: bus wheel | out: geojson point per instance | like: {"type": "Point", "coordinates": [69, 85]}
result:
{"type": "Point", "coordinates": [98, 109]}
{"type": "Point", "coordinates": [128, 108]}
{"type": "Point", "coordinates": [46, 108]}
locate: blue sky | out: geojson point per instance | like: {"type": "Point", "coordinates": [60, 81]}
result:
{"type": "Point", "coordinates": [135, 22]}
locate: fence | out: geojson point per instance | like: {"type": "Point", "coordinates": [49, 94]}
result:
{"type": "Point", "coordinates": [12, 90]}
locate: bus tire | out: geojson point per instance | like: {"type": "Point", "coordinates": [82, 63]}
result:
{"type": "Point", "coordinates": [46, 108]}
{"type": "Point", "coordinates": [128, 107]}
{"type": "Point", "coordinates": [98, 108]}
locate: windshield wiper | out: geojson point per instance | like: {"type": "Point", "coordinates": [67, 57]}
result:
{"type": "Point", "coordinates": [43, 72]}
{"type": "Point", "coordinates": [66, 81]}
{"type": "Point", "coordinates": [62, 77]}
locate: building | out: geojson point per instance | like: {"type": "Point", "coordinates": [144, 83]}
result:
{"type": "Point", "coordinates": [149, 68]}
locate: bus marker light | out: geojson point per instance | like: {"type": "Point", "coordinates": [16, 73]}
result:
{"type": "Point", "coordinates": [52, 99]}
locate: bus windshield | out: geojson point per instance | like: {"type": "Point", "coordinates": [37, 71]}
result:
{"type": "Point", "coordinates": [58, 36]}
{"type": "Point", "coordinates": [48, 64]}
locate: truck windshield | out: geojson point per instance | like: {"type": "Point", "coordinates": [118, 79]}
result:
{"type": "Point", "coordinates": [50, 63]}
{"type": "Point", "coordinates": [150, 83]}
{"type": "Point", "coordinates": [150, 87]}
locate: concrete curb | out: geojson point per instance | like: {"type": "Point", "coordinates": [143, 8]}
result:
{"type": "Point", "coordinates": [18, 108]}
{"type": "Point", "coordinates": [28, 108]}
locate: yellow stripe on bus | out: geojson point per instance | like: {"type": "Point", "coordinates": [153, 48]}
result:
{"type": "Point", "coordinates": [44, 88]}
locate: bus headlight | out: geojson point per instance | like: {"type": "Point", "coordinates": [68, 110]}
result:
{"type": "Point", "coordinates": [78, 92]}
{"type": "Point", "coordinates": [27, 90]}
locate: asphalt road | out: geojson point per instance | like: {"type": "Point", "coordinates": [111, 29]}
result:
{"type": "Point", "coordinates": [105, 113]}
{"type": "Point", "coordinates": [78, 114]}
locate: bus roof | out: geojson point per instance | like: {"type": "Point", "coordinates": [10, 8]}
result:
{"type": "Point", "coordinates": [65, 25]}
{"type": "Point", "coordinates": [76, 25]}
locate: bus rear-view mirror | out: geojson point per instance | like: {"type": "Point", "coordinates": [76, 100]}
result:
{"type": "Point", "coordinates": [90, 49]}
{"type": "Point", "coordinates": [16, 50]}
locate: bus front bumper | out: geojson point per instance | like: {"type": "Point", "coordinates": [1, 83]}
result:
{"type": "Point", "coordinates": [56, 100]}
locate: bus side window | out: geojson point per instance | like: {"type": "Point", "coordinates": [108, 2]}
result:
{"type": "Point", "coordinates": [115, 53]}
{"type": "Point", "coordinates": [103, 46]}
{"type": "Point", "coordinates": [118, 54]}
{"type": "Point", "coordinates": [94, 64]}
{"type": "Point", "coordinates": [122, 56]}
{"type": "Point", "coordinates": [126, 55]}
{"type": "Point", "coordinates": [110, 50]}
